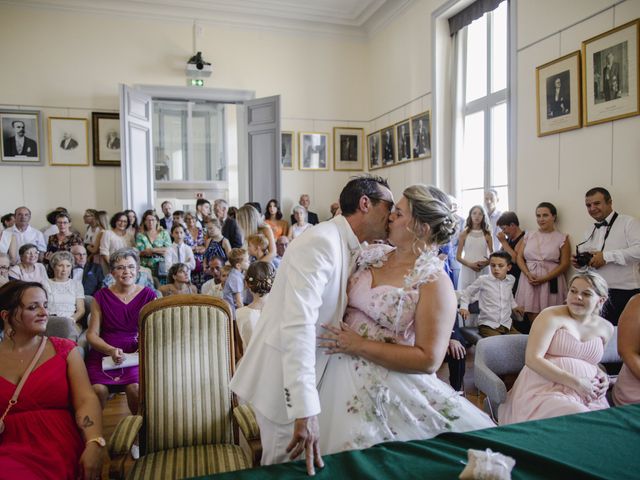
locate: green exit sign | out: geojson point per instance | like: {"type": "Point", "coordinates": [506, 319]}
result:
{"type": "Point", "coordinates": [195, 82]}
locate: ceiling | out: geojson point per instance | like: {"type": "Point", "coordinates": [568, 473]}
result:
{"type": "Point", "coordinates": [357, 18]}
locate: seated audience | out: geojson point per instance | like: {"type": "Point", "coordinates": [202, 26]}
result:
{"type": "Point", "coordinates": [64, 239]}
{"type": "Point", "coordinates": [509, 236]}
{"type": "Point", "coordinates": [88, 273]}
{"type": "Point", "coordinates": [66, 295]}
{"type": "Point", "coordinates": [9, 244]}
{"type": "Point", "coordinates": [25, 233]}
{"type": "Point", "coordinates": [153, 242]}
{"type": "Point", "coordinates": [5, 264]}
{"type": "Point", "coordinates": [281, 246]}
{"type": "Point", "coordinates": [143, 278]}
{"type": "Point", "coordinates": [495, 297]}
{"type": "Point", "coordinates": [116, 238]}
{"type": "Point", "coordinates": [94, 248]}
{"type": "Point", "coordinates": [52, 229]}
{"type": "Point", "coordinates": [627, 387]}
{"type": "Point", "coordinates": [544, 256]}
{"type": "Point", "coordinates": [273, 218]}
{"type": "Point", "coordinates": [561, 374]}
{"type": "Point", "coordinates": [230, 229]}
{"type": "Point", "coordinates": [300, 225]}
{"type": "Point", "coordinates": [234, 291]}
{"type": "Point", "coordinates": [28, 269]}
{"type": "Point", "coordinates": [92, 221]}
{"type": "Point", "coordinates": [8, 220]}
{"type": "Point", "coordinates": [179, 252]}
{"type": "Point", "coordinates": [178, 281]}
{"type": "Point", "coordinates": [215, 243]}
{"type": "Point", "coordinates": [55, 429]}
{"type": "Point", "coordinates": [250, 222]}
{"type": "Point", "coordinates": [194, 237]}
{"type": "Point", "coordinates": [133, 223]}
{"type": "Point", "coordinates": [305, 202]}
{"type": "Point", "coordinates": [214, 285]}
{"type": "Point", "coordinates": [113, 330]}
{"type": "Point", "coordinates": [259, 279]}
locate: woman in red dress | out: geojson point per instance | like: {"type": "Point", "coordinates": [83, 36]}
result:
{"type": "Point", "coordinates": [54, 431]}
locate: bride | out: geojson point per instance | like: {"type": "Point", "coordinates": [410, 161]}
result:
{"type": "Point", "coordinates": [380, 385]}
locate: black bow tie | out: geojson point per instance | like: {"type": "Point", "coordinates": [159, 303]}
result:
{"type": "Point", "coordinates": [603, 223]}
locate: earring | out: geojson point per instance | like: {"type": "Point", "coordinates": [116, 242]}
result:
{"type": "Point", "coordinates": [11, 332]}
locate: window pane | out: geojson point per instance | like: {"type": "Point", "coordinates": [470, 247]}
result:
{"type": "Point", "coordinates": [472, 164]}
{"type": "Point", "coordinates": [499, 169]}
{"type": "Point", "coordinates": [476, 77]}
{"type": "Point", "coordinates": [499, 48]}
{"type": "Point", "coordinates": [471, 198]}
{"type": "Point", "coordinates": [169, 140]}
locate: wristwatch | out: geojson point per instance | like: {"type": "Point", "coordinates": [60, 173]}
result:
{"type": "Point", "coordinates": [99, 440]}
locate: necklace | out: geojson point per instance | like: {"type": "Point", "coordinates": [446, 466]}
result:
{"type": "Point", "coordinates": [125, 297]}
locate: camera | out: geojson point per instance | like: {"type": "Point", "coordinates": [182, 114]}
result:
{"type": "Point", "coordinates": [583, 258]}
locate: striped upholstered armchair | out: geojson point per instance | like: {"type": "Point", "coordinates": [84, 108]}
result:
{"type": "Point", "coordinates": [185, 423]}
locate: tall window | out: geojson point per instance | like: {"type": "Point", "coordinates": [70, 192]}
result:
{"type": "Point", "coordinates": [482, 156]}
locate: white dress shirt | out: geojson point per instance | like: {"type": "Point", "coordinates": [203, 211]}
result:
{"type": "Point", "coordinates": [621, 251]}
{"type": "Point", "coordinates": [495, 299]}
{"type": "Point", "coordinates": [30, 235]}
{"type": "Point", "coordinates": [181, 253]}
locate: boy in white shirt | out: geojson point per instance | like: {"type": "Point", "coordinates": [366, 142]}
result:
{"type": "Point", "coordinates": [179, 252]}
{"type": "Point", "coordinates": [495, 297]}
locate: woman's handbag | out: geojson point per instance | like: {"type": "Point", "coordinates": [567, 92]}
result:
{"type": "Point", "coordinates": [14, 398]}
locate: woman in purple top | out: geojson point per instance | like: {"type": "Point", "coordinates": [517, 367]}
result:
{"type": "Point", "coordinates": [113, 328]}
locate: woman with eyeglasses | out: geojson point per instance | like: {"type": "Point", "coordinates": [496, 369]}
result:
{"type": "Point", "coordinates": [116, 238]}
{"type": "Point", "coordinates": [64, 239]}
{"type": "Point", "coordinates": [28, 269]}
{"type": "Point", "coordinates": [113, 328]}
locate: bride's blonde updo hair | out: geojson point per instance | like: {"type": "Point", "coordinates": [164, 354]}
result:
{"type": "Point", "coordinates": [431, 207]}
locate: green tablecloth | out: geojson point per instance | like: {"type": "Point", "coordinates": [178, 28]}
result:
{"type": "Point", "coordinates": [603, 444]}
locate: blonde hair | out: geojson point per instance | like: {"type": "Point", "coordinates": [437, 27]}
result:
{"type": "Point", "coordinates": [597, 282]}
{"type": "Point", "coordinates": [427, 210]}
{"type": "Point", "coordinates": [260, 241]}
{"type": "Point", "coordinates": [236, 255]}
{"type": "Point", "coordinates": [248, 219]}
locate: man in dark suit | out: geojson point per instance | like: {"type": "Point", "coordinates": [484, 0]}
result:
{"type": "Point", "coordinates": [312, 218]}
{"type": "Point", "coordinates": [611, 78]}
{"type": "Point", "coordinates": [387, 148]}
{"type": "Point", "coordinates": [230, 228]}
{"type": "Point", "coordinates": [422, 142]}
{"type": "Point", "coordinates": [349, 148]}
{"type": "Point", "coordinates": [68, 142]}
{"type": "Point", "coordinates": [20, 144]}
{"type": "Point", "coordinates": [89, 273]}
{"type": "Point", "coordinates": [166, 221]}
{"type": "Point", "coordinates": [113, 141]}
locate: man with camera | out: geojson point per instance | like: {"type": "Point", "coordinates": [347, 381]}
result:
{"type": "Point", "coordinates": [612, 246]}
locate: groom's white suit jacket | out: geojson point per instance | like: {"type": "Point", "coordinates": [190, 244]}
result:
{"type": "Point", "coordinates": [281, 368]}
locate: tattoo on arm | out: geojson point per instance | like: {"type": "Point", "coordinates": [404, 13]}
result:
{"type": "Point", "coordinates": [86, 422]}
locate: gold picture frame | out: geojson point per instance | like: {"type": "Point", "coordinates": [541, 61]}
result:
{"type": "Point", "coordinates": [421, 135]}
{"type": "Point", "coordinates": [288, 153]}
{"type": "Point", "coordinates": [314, 149]}
{"type": "Point", "coordinates": [611, 74]}
{"type": "Point", "coordinates": [388, 146]}
{"type": "Point", "coordinates": [348, 149]}
{"type": "Point", "coordinates": [558, 95]}
{"type": "Point", "coordinates": [68, 141]}
{"type": "Point", "coordinates": [403, 141]}
{"type": "Point", "coordinates": [373, 150]}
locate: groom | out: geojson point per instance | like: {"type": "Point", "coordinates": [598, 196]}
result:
{"type": "Point", "coordinates": [281, 368]}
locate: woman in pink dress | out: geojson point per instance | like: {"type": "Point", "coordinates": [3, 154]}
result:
{"type": "Point", "coordinates": [113, 328]}
{"type": "Point", "coordinates": [627, 387]}
{"type": "Point", "coordinates": [543, 257]}
{"type": "Point", "coordinates": [561, 374]}
{"type": "Point", "coordinates": [380, 384]}
{"type": "Point", "coordinates": [54, 431]}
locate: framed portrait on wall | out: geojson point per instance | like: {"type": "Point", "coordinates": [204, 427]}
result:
{"type": "Point", "coordinates": [403, 141]}
{"type": "Point", "coordinates": [106, 138]}
{"type": "Point", "coordinates": [558, 95]}
{"type": "Point", "coordinates": [20, 137]}
{"type": "Point", "coordinates": [421, 135]}
{"type": "Point", "coordinates": [348, 154]}
{"type": "Point", "coordinates": [314, 151]}
{"type": "Point", "coordinates": [373, 150]}
{"type": "Point", "coordinates": [68, 141]}
{"type": "Point", "coordinates": [287, 157]}
{"type": "Point", "coordinates": [611, 74]}
{"type": "Point", "coordinates": [388, 146]}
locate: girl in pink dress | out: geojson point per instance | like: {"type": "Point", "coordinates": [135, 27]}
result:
{"type": "Point", "coordinates": [543, 257]}
{"type": "Point", "coordinates": [627, 387]}
{"type": "Point", "coordinates": [561, 374]}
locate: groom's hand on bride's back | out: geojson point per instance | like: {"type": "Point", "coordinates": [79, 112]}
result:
{"type": "Point", "coordinates": [306, 438]}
